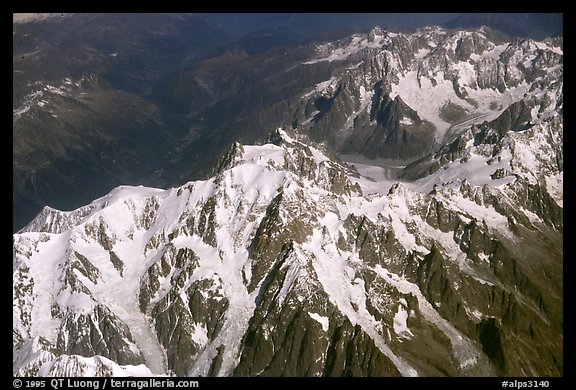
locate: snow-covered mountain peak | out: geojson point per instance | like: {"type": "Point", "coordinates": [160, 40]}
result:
{"type": "Point", "coordinates": [445, 259]}
{"type": "Point", "coordinates": [429, 87]}
{"type": "Point", "coordinates": [146, 281]}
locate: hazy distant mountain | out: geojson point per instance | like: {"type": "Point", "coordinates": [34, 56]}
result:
{"type": "Point", "coordinates": [310, 25]}
{"type": "Point", "coordinates": [533, 25]}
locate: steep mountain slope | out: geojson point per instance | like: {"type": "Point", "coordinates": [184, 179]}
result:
{"type": "Point", "coordinates": [182, 83]}
{"type": "Point", "coordinates": [404, 93]}
{"type": "Point", "coordinates": [285, 263]}
{"type": "Point", "coordinates": [443, 256]}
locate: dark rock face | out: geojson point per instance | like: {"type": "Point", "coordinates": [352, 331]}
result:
{"type": "Point", "coordinates": [99, 333]}
{"type": "Point", "coordinates": [394, 139]}
{"type": "Point", "coordinates": [515, 118]}
{"type": "Point", "coordinates": [360, 116]}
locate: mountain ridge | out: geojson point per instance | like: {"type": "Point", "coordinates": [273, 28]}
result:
{"type": "Point", "coordinates": [298, 256]}
{"type": "Point", "coordinates": [339, 236]}
{"type": "Point", "coordinates": [202, 100]}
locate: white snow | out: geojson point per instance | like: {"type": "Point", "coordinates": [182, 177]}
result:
{"type": "Point", "coordinates": [285, 136]}
{"type": "Point", "coordinates": [242, 195]}
{"type": "Point", "coordinates": [323, 321]}
{"type": "Point", "coordinates": [260, 155]}
{"type": "Point", "coordinates": [546, 46]}
{"type": "Point", "coordinates": [365, 98]}
{"type": "Point", "coordinates": [331, 52]}
{"type": "Point", "coordinates": [29, 100]}
{"type": "Point", "coordinates": [400, 321]}
{"type": "Point", "coordinates": [325, 87]}
{"type": "Point", "coordinates": [44, 265]}
{"type": "Point", "coordinates": [89, 367]}
{"type": "Point", "coordinates": [476, 171]}
{"type": "Point", "coordinates": [365, 101]}
{"type": "Point", "coordinates": [55, 90]}
{"type": "Point", "coordinates": [421, 53]}
{"type": "Point", "coordinates": [120, 295]}
{"type": "Point", "coordinates": [247, 190]}
{"type": "Point", "coordinates": [291, 278]}
{"type": "Point", "coordinates": [332, 222]}
{"type": "Point", "coordinates": [483, 257]}
{"type": "Point", "coordinates": [399, 214]}
{"type": "Point", "coordinates": [525, 161]}
{"type": "Point", "coordinates": [534, 219]}
{"type": "Point", "coordinates": [494, 53]}
{"type": "Point", "coordinates": [348, 294]}
{"type": "Point", "coordinates": [484, 213]}
{"type": "Point", "coordinates": [377, 176]}
{"type": "Point", "coordinates": [428, 99]}
{"type": "Point", "coordinates": [200, 334]}
{"type": "Point", "coordinates": [318, 156]}
{"type": "Point", "coordinates": [555, 187]}
{"type": "Point", "coordinates": [425, 99]}
{"type": "Point", "coordinates": [474, 313]}
{"type": "Point", "coordinates": [78, 302]}
{"type": "Point", "coordinates": [19, 111]}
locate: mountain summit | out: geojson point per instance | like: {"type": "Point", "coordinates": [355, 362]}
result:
{"type": "Point", "coordinates": [286, 262]}
{"type": "Point", "coordinates": [102, 100]}
{"type": "Point", "coordinates": [408, 221]}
